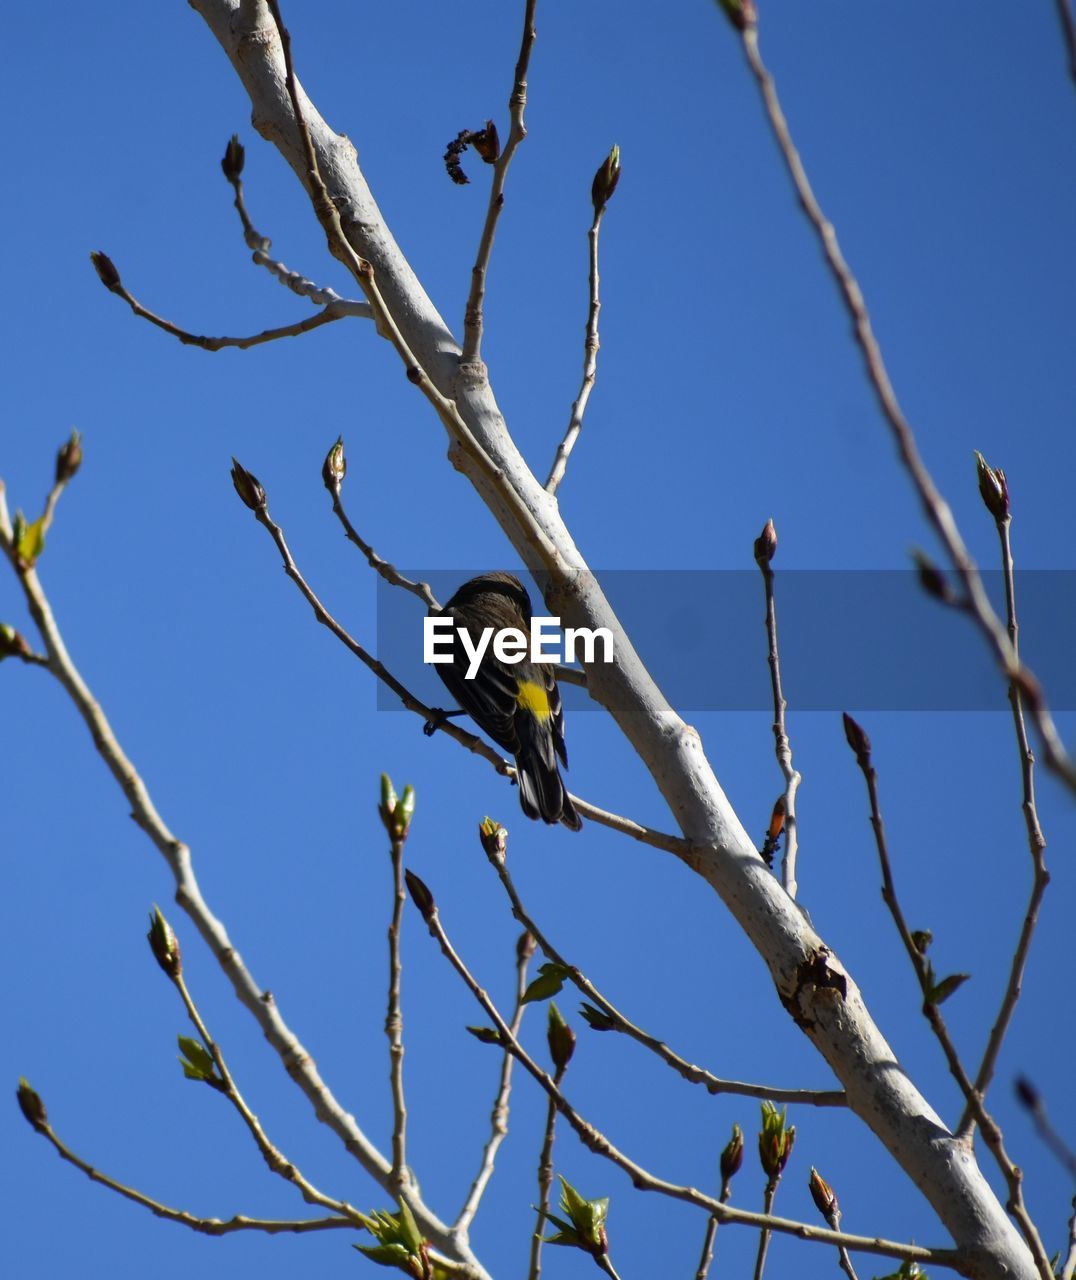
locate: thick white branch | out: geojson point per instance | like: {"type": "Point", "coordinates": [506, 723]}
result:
{"type": "Point", "coordinates": [810, 980]}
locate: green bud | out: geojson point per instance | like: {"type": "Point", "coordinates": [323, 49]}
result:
{"type": "Point", "coordinates": [485, 1035]}
{"type": "Point", "coordinates": [605, 180]}
{"type": "Point", "coordinates": [335, 467]}
{"type": "Point", "coordinates": [396, 812]}
{"type": "Point", "coordinates": [12, 643]}
{"type": "Point", "coordinates": [31, 1106]}
{"type": "Point", "coordinates": [106, 271]}
{"type": "Point", "coordinates": [246, 484]}
{"type": "Point", "coordinates": [775, 1140]}
{"type": "Point", "coordinates": [494, 839]}
{"type": "Point", "coordinates": [992, 488]}
{"type": "Point", "coordinates": [164, 944]}
{"type": "Point", "coordinates": [69, 458]}
{"type": "Point", "coordinates": [585, 1225]}
{"type": "Point", "coordinates": [525, 945]}
{"type": "Point", "coordinates": [232, 163]}
{"type": "Point", "coordinates": [561, 1039]}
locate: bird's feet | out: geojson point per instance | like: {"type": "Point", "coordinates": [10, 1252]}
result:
{"type": "Point", "coordinates": [437, 718]}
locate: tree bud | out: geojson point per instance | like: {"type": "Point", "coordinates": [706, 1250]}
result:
{"type": "Point", "coordinates": [605, 180]}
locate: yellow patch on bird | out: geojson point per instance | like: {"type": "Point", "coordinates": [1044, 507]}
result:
{"type": "Point", "coordinates": [534, 698]}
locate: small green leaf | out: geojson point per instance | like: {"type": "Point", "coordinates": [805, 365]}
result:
{"type": "Point", "coordinates": [941, 991]}
{"type": "Point", "coordinates": [196, 1054]}
{"type": "Point", "coordinates": [485, 1035]}
{"type": "Point", "coordinates": [548, 983]}
{"type": "Point", "coordinates": [29, 538]}
{"type": "Point", "coordinates": [595, 1019]}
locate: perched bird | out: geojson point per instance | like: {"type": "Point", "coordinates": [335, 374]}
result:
{"type": "Point", "coordinates": [517, 704]}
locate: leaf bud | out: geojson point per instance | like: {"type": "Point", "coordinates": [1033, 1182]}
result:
{"type": "Point", "coordinates": [69, 458]}
{"type": "Point", "coordinates": [335, 467]}
{"type": "Point", "coordinates": [164, 944]}
{"type": "Point", "coordinates": [246, 484]}
{"type": "Point", "coordinates": [605, 180]}
{"type": "Point", "coordinates": [232, 162]}
{"type": "Point", "coordinates": [106, 271]}
{"type": "Point", "coordinates": [561, 1039]}
{"type": "Point", "coordinates": [31, 1106]}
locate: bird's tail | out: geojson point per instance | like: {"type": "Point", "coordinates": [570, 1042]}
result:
{"type": "Point", "coordinates": [542, 792]}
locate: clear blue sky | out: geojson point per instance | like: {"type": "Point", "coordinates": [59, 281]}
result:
{"type": "Point", "coordinates": [941, 143]}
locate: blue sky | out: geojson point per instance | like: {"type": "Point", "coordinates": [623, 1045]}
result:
{"type": "Point", "coordinates": [728, 391]}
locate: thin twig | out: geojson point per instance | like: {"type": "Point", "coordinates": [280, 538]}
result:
{"type": "Point", "coordinates": [591, 346]}
{"type": "Point", "coordinates": [707, 1255]}
{"type": "Point", "coordinates": [683, 849]}
{"type": "Point", "coordinates": [596, 1142]}
{"type": "Point", "coordinates": [277, 1162]}
{"type": "Point", "coordinates": [517, 105]}
{"type": "Point", "coordinates": [260, 1002]}
{"type": "Point", "coordinates": [207, 1226]}
{"type": "Point", "coordinates": [545, 1181]}
{"type": "Point", "coordinates": [499, 1115]}
{"type": "Point", "coordinates": [259, 245]}
{"type": "Point", "coordinates": [394, 1028]}
{"type": "Point", "coordinates": [1036, 845]}
{"type": "Point", "coordinates": [334, 311]}
{"type": "Point", "coordinates": [695, 1075]}
{"type": "Point", "coordinates": [991, 1132]}
{"type": "Point", "coordinates": [446, 408]}
{"type": "Point", "coordinates": [764, 1234]}
{"type": "Point", "coordinates": [765, 546]}
{"type": "Point", "coordinates": [333, 482]}
{"type": "Point", "coordinates": [1068, 30]}
{"type": "Point", "coordinates": [934, 505]}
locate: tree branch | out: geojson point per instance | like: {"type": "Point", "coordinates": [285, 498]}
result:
{"type": "Point", "coordinates": [596, 1142]}
{"type": "Point", "coordinates": [591, 346]}
{"type": "Point", "coordinates": [207, 1226]}
{"type": "Point", "coordinates": [1035, 838]}
{"type": "Point", "coordinates": [765, 546]}
{"type": "Point", "coordinates": [517, 105]}
{"type": "Point", "coordinates": [499, 1114]}
{"type": "Point", "coordinates": [937, 510]}
{"type": "Point", "coordinates": [294, 1056]}
{"type": "Point", "coordinates": [495, 850]}
{"type": "Point", "coordinates": [992, 1136]}
{"type": "Point", "coordinates": [338, 310]}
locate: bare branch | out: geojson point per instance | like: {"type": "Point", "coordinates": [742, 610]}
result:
{"type": "Point", "coordinates": [646, 835]}
{"type": "Point", "coordinates": [591, 346]}
{"type": "Point", "coordinates": [937, 510]}
{"type": "Point", "coordinates": [394, 1028]}
{"type": "Point", "coordinates": [696, 1075]}
{"type": "Point", "coordinates": [517, 105]}
{"type": "Point", "coordinates": [499, 1114]}
{"type": "Point", "coordinates": [545, 1181]}
{"type": "Point", "coordinates": [207, 1226]}
{"type": "Point", "coordinates": [1035, 838]}
{"type": "Point", "coordinates": [916, 953]}
{"type": "Point", "coordinates": [765, 546]}
{"type": "Point", "coordinates": [596, 1142]}
{"type": "Point", "coordinates": [277, 1162]}
{"type": "Point", "coordinates": [320, 295]}
{"type": "Point", "coordinates": [447, 410]}
{"type": "Point", "coordinates": [296, 1059]}
{"type": "Point", "coordinates": [334, 311]}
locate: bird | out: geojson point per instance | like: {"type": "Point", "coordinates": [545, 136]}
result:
{"type": "Point", "coordinates": [517, 704]}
